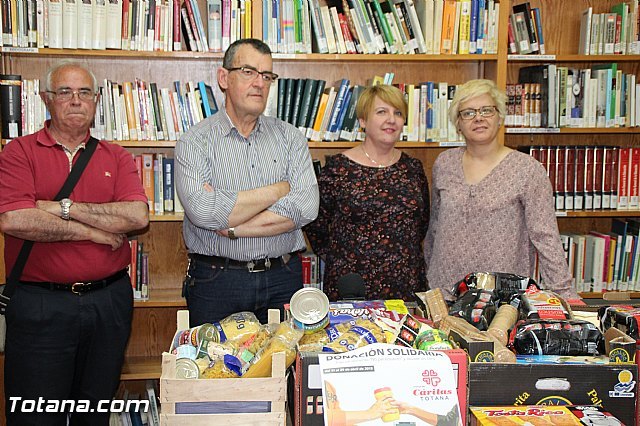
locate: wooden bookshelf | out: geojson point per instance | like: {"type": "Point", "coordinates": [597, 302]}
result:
{"type": "Point", "coordinates": [154, 320]}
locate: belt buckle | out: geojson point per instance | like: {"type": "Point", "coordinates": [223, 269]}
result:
{"type": "Point", "coordinates": [251, 266]}
{"type": "Point", "coordinates": [76, 288]}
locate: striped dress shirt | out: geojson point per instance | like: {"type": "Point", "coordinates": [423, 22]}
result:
{"type": "Point", "coordinates": [214, 152]}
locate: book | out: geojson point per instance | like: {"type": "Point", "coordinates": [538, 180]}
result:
{"type": "Point", "coordinates": [113, 33]}
{"type": "Point", "coordinates": [168, 185]}
{"type": "Point", "coordinates": [306, 103]}
{"type": "Point", "coordinates": [584, 46]}
{"type": "Point", "coordinates": [519, 26]}
{"type": "Point", "coordinates": [209, 105]}
{"type": "Point", "coordinates": [70, 24]}
{"type": "Point", "coordinates": [11, 105]}
{"type": "Point", "coordinates": [98, 26]}
{"type": "Point", "coordinates": [85, 24]}
{"type": "Point", "coordinates": [524, 9]}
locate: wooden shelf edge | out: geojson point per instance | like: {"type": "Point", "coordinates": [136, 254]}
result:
{"type": "Point", "coordinates": [141, 368]}
{"type": "Point", "coordinates": [570, 130]}
{"type": "Point", "coordinates": [178, 217]}
{"type": "Point", "coordinates": [186, 54]}
{"type": "Point", "coordinates": [591, 295]}
{"type": "Point", "coordinates": [604, 213]}
{"type": "Point", "coordinates": [572, 58]}
{"type": "Point", "coordinates": [162, 298]}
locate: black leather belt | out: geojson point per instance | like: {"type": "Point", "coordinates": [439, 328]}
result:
{"type": "Point", "coordinates": [259, 265]}
{"type": "Point", "coordinates": [79, 287]}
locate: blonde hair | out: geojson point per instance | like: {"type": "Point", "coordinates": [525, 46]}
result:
{"type": "Point", "coordinates": [388, 94]}
{"type": "Point", "coordinates": [473, 89]}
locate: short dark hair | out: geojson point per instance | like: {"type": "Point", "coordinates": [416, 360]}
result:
{"type": "Point", "coordinates": [230, 54]}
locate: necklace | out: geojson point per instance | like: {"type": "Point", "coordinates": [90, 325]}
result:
{"type": "Point", "coordinates": [378, 164]}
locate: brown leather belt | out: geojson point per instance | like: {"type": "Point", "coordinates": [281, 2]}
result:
{"type": "Point", "coordinates": [79, 287]}
{"type": "Point", "coordinates": [258, 265]}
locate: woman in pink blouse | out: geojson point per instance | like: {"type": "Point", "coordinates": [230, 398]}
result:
{"type": "Point", "coordinates": [492, 207]}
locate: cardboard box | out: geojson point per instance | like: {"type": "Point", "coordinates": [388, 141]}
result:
{"type": "Point", "coordinates": [534, 415]}
{"type": "Point", "coordinates": [613, 386]}
{"type": "Point", "coordinates": [478, 350]}
{"type": "Point", "coordinates": [308, 404]}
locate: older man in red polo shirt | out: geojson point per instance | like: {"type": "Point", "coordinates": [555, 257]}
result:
{"type": "Point", "coordinates": [63, 344]}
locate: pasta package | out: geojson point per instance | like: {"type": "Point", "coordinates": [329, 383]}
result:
{"type": "Point", "coordinates": [284, 340]}
{"type": "Point", "coordinates": [314, 342]}
{"type": "Point", "coordinates": [363, 333]}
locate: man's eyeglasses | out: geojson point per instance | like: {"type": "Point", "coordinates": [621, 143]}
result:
{"type": "Point", "coordinates": [485, 111]}
{"type": "Point", "coordinates": [250, 73]}
{"type": "Point", "coordinates": [65, 95]}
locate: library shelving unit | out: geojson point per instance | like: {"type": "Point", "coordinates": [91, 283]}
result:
{"type": "Point", "coordinates": [561, 29]}
{"type": "Point", "coordinates": [154, 320]}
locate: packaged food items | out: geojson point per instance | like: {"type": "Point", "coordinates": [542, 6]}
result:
{"type": "Point", "coordinates": [238, 327]}
{"type": "Point", "coordinates": [218, 370]}
{"type": "Point", "coordinates": [623, 317]}
{"type": "Point", "coordinates": [340, 312]}
{"type": "Point", "coordinates": [363, 333]}
{"type": "Point", "coordinates": [309, 308]}
{"type": "Point", "coordinates": [476, 306]}
{"type": "Point", "coordinates": [463, 328]}
{"type": "Point", "coordinates": [408, 331]}
{"type": "Point", "coordinates": [237, 355]}
{"type": "Point", "coordinates": [431, 340]}
{"type": "Point", "coordinates": [556, 337]}
{"type": "Point", "coordinates": [284, 340]}
{"type": "Point", "coordinates": [436, 305]}
{"type": "Point", "coordinates": [315, 341]}
{"type": "Point", "coordinates": [543, 304]}
{"type": "Point", "coordinates": [531, 415]}
{"type": "Point", "coordinates": [502, 322]}
{"type": "Point", "coordinates": [503, 285]}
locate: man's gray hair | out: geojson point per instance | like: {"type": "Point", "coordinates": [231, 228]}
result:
{"type": "Point", "coordinates": [63, 64]}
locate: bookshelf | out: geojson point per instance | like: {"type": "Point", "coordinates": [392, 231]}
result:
{"type": "Point", "coordinates": [154, 320]}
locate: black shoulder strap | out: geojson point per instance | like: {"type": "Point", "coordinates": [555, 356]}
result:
{"type": "Point", "coordinates": [67, 188]}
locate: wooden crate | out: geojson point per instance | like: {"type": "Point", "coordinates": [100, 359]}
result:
{"type": "Point", "coordinates": [173, 390]}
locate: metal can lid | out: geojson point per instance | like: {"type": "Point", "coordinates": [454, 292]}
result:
{"type": "Point", "coordinates": [309, 305]}
{"type": "Point", "coordinates": [208, 333]}
{"type": "Point", "coordinates": [187, 369]}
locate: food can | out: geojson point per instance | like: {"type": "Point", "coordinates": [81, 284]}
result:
{"type": "Point", "coordinates": [187, 369]}
{"type": "Point", "coordinates": [309, 308]}
{"type": "Point", "coordinates": [208, 333]}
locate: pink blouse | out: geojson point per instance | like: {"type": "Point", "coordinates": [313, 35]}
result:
{"type": "Point", "coordinates": [496, 225]}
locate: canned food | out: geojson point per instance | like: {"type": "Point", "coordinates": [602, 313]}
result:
{"type": "Point", "coordinates": [309, 308]}
{"type": "Point", "coordinates": [187, 369]}
{"type": "Point", "coordinates": [186, 351]}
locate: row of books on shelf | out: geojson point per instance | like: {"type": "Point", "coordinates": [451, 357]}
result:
{"type": "Point", "coordinates": [139, 270]}
{"type": "Point", "coordinates": [329, 113]}
{"type": "Point", "coordinates": [524, 30]}
{"type": "Point", "coordinates": [138, 408]}
{"type": "Point", "coordinates": [156, 172]}
{"type": "Point", "coordinates": [610, 33]}
{"type": "Point", "coordinates": [140, 110]}
{"type": "Point", "coordinates": [312, 270]}
{"type": "Point", "coordinates": [605, 261]}
{"type": "Point", "coordinates": [406, 26]}
{"type": "Point", "coordinates": [128, 111]}
{"type": "Point", "coordinates": [553, 96]}
{"type": "Point", "coordinates": [287, 26]}
{"type": "Point", "coordinates": [591, 178]}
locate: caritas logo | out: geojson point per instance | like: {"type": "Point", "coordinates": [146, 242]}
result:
{"type": "Point", "coordinates": [431, 377]}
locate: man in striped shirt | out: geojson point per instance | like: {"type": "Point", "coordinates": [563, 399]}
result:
{"type": "Point", "coordinates": [247, 185]}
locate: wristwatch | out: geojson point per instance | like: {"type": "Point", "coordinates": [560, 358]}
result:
{"type": "Point", "coordinates": [65, 206]}
{"type": "Point", "coordinates": [232, 234]}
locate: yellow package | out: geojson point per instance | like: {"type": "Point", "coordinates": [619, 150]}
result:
{"type": "Point", "coordinates": [533, 415]}
{"type": "Point", "coordinates": [284, 340]}
{"type": "Point", "coordinates": [363, 333]}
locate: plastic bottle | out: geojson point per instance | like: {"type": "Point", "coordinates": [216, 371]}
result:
{"type": "Point", "coordinates": [383, 393]}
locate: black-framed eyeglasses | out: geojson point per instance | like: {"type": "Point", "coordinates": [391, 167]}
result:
{"type": "Point", "coordinates": [250, 73]}
{"type": "Point", "coordinates": [485, 111]}
{"type": "Point", "coordinates": [65, 95]}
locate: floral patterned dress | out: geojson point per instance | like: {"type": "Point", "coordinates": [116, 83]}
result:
{"type": "Point", "coordinates": [372, 221]}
